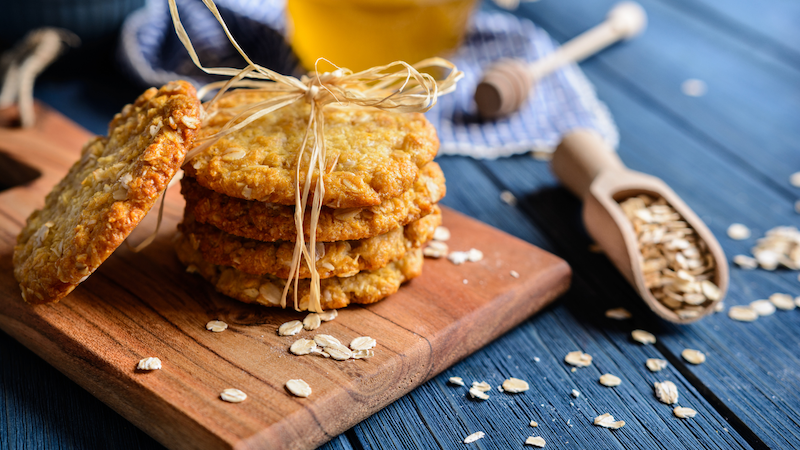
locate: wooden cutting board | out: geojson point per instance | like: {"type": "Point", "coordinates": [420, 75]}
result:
{"type": "Point", "coordinates": [140, 305]}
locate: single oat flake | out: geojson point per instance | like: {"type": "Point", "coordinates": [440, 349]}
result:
{"type": "Point", "coordinates": [575, 393]}
{"type": "Point", "coordinates": [578, 358]}
{"type": "Point", "coordinates": [745, 262]}
{"type": "Point", "coordinates": [324, 340]}
{"type": "Point", "coordinates": [327, 316]}
{"type": "Point", "coordinates": [693, 356]}
{"type": "Point", "coordinates": [782, 301]}
{"type": "Point", "coordinates": [482, 386]}
{"type": "Point", "coordinates": [303, 347]}
{"type": "Point", "coordinates": [643, 337]}
{"type": "Point", "coordinates": [363, 343]}
{"type": "Point", "coordinates": [458, 381]}
{"type": "Point", "coordinates": [217, 326]}
{"type": "Point", "coordinates": [150, 363]}
{"type": "Point", "coordinates": [742, 313]}
{"type": "Point", "coordinates": [441, 234]}
{"type": "Point", "coordinates": [436, 249]}
{"type": "Point", "coordinates": [477, 393]}
{"type": "Point", "coordinates": [290, 328]}
{"type": "Point", "coordinates": [298, 388]}
{"type": "Point", "coordinates": [610, 380]}
{"type": "Point", "coordinates": [534, 423]}
{"type": "Point", "coordinates": [607, 420]}
{"type": "Point", "coordinates": [738, 231]}
{"type": "Point", "coordinates": [666, 392]}
{"type": "Point", "coordinates": [535, 441]}
{"type": "Point", "coordinates": [515, 385]}
{"type": "Point", "coordinates": [618, 314]}
{"type": "Point", "coordinates": [338, 352]}
{"type": "Point", "coordinates": [232, 395]}
{"type": "Point", "coordinates": [312, 322]}
{"type": "Point", "coordinates": [655, 364]}
{"type": "Point", "coordinates": [683, 412]}
{"type": "Point", "coordinates": [474, 437]}
{"type": "Point", "coordinates": [763, 307]}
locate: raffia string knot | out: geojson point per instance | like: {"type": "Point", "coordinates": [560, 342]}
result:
{"type": "Point", "coordinates": [397, 86]}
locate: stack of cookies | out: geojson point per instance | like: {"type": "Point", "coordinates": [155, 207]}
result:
{"type": "Point", "coordinates": [379, 204]}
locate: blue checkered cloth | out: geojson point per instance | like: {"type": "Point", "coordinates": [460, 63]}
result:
{"type": "Point", "coordinates": [152, 54]}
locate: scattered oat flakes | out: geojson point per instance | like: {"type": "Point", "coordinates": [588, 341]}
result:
{"type": "Point", "coordinates": [298, 388]}
{"type": "Point", "coordinates": [694, 87]}
{"type": "Point", "coordinates": [312, 322]}
{"type": "Point", "coordinates": [217, 326]}
{"type": "Point", "coordinates": [327, 316]}
{"type": "Point", "coordinates": [473, 255]}
{"type": "Point", "coordinates": [738, 231]}
{"type": "Point", "coordinates": [514, 274]}
{"type": "Point", "coordinates": [794, 179]}
{"type": "Point", "coordinates": [742, 313]}
{"type": "Point", "coordinates": [666, 392]}
{"type": "Point", "coordinates": [607, 420]}
{"type": "Point", "coordinates": [363, 354]}
{"type": "Point", "coordinates": [683, 412]}
{"type": "Point", "coordinates": [763, 307]}
{"type": "Point", "coordinates": [780, 246]}
{"type": "Point", "coordinates": [290, 328]}
{"type": "Point", "coordinates": [643, 337]}
{"type": "Point", "coordinates": [151, 363]}
{"type": "Point", "coordinates": [534, 423]}
{"type": "Point", "coordinates": [782, 301]}
{"type": "Point", "coordinates": [477, 393]}
{"type": "Point", "coordinates": [362, 343]}
{"type": "Point", "coordinates": [578, 358]}
{"type": "Point", "coordinates": [481, 386]}
{"type": "Point", "coordinates": [474, 437]}
{"type": "Point", "coordinates": [303, 347]}
{"type": "Point", "coordinates": [693, 356]}
{"type": "Point", "coordinates": [618, 314]}
{"type": "Point", "coordinates": [436, 249]}
{"type": "Point", "coordinates": [535, 441]}
{"type": "Point", "coordinates": [458, 381]}
{"type": "Point", "coordinates": [655, 364]}
{"type": "Point", "coordinates": [575, 393]}
{"type": "Point", "coordinates": [232, 395]}
{"type": "Point", "coordinates": [745, 262]}
{"type": "Point", "coordinates": [508, 198]}
{"type": "Point", "coordinates": [515, 385]}
{"type": "Point", "coordinates": [324, 340]}
{"type": "Point", "coordinates": [610, 380]}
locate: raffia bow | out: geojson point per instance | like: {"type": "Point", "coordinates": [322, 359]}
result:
{"type": "Point", "coordinates": [398, 87]}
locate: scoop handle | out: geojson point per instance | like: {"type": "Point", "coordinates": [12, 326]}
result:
{"type": "Point", "coordinates": [580, 157]}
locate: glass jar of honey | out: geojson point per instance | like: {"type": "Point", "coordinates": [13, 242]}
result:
{"type": "Point", "coordinates": [359, 34]}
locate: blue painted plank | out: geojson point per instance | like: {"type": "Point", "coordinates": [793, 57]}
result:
{"type": "Point", "coordinates": [753, 99]}
{"type": "Point", "coordinates": [753, 368]}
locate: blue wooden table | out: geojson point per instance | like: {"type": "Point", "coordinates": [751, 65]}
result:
{"type": "Point", "coordinates": [728, 154]}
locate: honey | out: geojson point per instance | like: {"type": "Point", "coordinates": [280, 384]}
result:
{"type": "Point", "coordinates": [359, 34]}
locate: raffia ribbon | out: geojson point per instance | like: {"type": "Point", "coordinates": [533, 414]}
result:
{"type": "Point", "coordinates": [398, 87]}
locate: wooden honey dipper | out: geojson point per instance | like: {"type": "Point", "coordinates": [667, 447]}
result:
{"type": "Point", "coordinates": [506, 85]}
{"type": "Point", "coordinates": [591, 169]}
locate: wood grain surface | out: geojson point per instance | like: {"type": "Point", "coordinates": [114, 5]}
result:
{"type": "Point", "coordinates": [140, 305]}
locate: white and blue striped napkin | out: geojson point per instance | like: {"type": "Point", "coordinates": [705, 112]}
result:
{"type": "Point", "coordinates": [565, 100]}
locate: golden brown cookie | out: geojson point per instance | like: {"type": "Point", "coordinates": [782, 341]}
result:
{"type": "Point", "coordinates": [106, 193]}
{"type": "Point", "coordinates": [372, 155]}
{"type": "Point", "coordinates": [271, 222]}
{"type": "Point", "coordinates": [340, 258]}
{"type": "Point", "coordinates": [337, 292]}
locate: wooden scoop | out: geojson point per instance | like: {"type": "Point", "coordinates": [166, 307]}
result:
{"type": "Point", "coordinates": [591, 169]}
{"type": "Point", "coordinates": [506, 85]}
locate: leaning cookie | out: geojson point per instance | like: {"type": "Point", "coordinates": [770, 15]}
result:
{"type": "Point", "coordinates": [339, 258]}
{"type": "Point", "coordinates": [337, 292]}
{"type": "Point", "coordinates": [106, 193]}
{"type": "Point", "coordinates": [271, 222]}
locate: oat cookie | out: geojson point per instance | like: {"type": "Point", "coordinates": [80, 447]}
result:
{"type": "Point", "coordinates": [340, 258]}
{"type": "Point", "coordinates": [372, 155]}
{"type": "Point", "coordinates": [363, 287]}
{"type": "Point", "coordinates": [106, 193]}
{"type": "Point", "coordinates": [271, 222]}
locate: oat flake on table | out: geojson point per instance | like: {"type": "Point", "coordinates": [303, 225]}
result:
{"type": "Point", "coordinates": [655, 364]}
{"type": "Point", "coordinates": [474, 437]}
{"type": "Point", "coordinates": [515, 385]}
{"type": "Point", "coordinates": [441, 233]}
{"type": "Point", "coordinates": [232, 395]}
{"type": "Point", "coordinates": [742, 313]}
{"type": "Point", "coordinates": [683, 412]}
{"type": "Point", "coordinates": [327, 316]}
{"type": "Point", "coordinates": [481, 386]}
{"type": "Point", "coordinates": [643, 337]}
{"type": "Point", "coordinates": [575, 393]}
{"type": "Point", "coordinates": [312, 322]}
{"type": "Point", "coordinates": [151, 363]}
{"type": "Point", "coordinates": [303, 347]}
{"type": "Point", "coordinates": [618, 314]}
{"type": "Point", "coordinates": [290, 328]}
{"type": "Point", "coordinates": [298, 388]}
{"type": "Point", "coordinates": [324, 340]}
{"type": "Point", "coordinates": [693, 356]}
{"type": "Point", "coordinates": [535, 441]}
{"type": "Point", "coordinates": [217, 326]}
{"type": "Point", "coordinates": [458, 381]}
{"type": "Point", "coordinates": [610, 380]}
{"type": "Point", "coordinates": [782, 301]}
{"type": "Point", "coordinates": [607, 420]}
{"type": "Point", "coordinates": [363, 343]}
{"type": "Point", "coordinates": [578, 358]}
{"type": "Point", "coordinates": [763, 307]}
{"type": "Point", "coordinates": [666, 392]}
{"type": "Point", "coordinates": [477, 393]}
{"type": "Point", "coordinates": [738, 231]}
